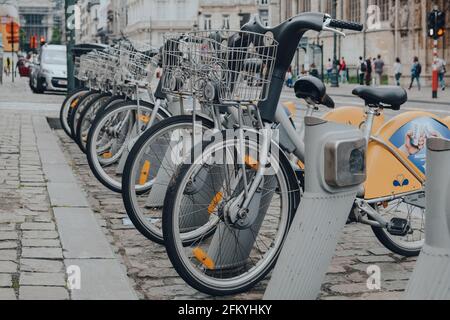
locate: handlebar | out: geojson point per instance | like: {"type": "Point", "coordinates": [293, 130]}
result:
{"type": "Point", "coordinates": [339, 24]}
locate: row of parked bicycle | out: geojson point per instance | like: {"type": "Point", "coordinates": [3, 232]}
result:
{"type": "Point", "coordinates": [207, 161]}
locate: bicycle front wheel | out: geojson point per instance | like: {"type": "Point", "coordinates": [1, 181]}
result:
{"type": "Point", "coordinates": [74, 113]}
{"type": "Point", "coordinates": [151, 165]}
{"type": "Point", "coordinates": [70, 102]}
{"type": "Point", "coordinates": [110, 137]}
{"type": "Point", "coordinates": [87, 117]}
{"type": "Point", "coordinates": [244, 247]}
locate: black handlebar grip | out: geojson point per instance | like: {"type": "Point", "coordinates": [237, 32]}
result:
{"type": "Point", "coordinates": [339, 24]}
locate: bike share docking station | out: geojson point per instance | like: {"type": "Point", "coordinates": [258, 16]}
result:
{"type": "Point", "coordinates": [431, 277]}
{"type": "Point", "coordinates": [335, 171]}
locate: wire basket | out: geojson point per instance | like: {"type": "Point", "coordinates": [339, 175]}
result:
{"type": "Point", "coordinates": [138, 62]}
{"type": "Point", "coordinates": [106, 68]}
{"type": "Point", "coordinates": [86, 64]}
{"type": "Point", "coordinates": [77, 68]}
{"type": "Point", "coordinates": [220, 66]}
{"type": "Point", "coordinates": [176, 65]}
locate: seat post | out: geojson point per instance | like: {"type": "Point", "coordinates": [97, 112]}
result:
{"type": "Point", "coordinates": [372, 112]}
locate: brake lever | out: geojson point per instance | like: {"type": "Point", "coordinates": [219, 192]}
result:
{"type": "Point", "coordinates": [334, 31]}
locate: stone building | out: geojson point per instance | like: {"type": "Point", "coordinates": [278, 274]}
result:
{"type": "Point", "coordinates": [394, 28]}
{"type": "Point", "coordinates": [89, 21]}
{"type": "Point", "coordinates": [101, 21]}
{"type": "Point", "coordinates": [232, 14]}
{"type": "Point", "coordinates": [149, 20]}
{"type": "Point", "coordinates": [225, 14]}
{"type": "Point", "coordinates": [36, 19]}
{"type": "Point", "coordinates": [117, 18]}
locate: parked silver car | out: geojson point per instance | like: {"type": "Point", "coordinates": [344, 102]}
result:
{"type": "Point", "coordinates": [49, 72]}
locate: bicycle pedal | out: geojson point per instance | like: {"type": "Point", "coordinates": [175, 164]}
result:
{"type": "Point", "coordinates": [399, 227]}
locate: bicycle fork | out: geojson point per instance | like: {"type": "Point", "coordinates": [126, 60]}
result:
{"type": "Point", "coordinates": [231, 247]}
{"type": "Point", "coordinates": [136, 133]}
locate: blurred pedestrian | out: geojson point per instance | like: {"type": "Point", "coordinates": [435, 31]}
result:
{"type": "Point", "coordinates": [369, 71]}
{"type": "Point", "coordinates": [379, 68]}
{"type": "Point", "coordinates": [313, 71]}
{"type": "Point", "coordinates": [374, 80]}
{"type": "Point", "coordinates": [416, 71]}
{"type": "Point", "coordinates": [8, 66]}
{"type": "Point", "coordinates": [289, 78]}
{"type": "Point", "coordinates": [343, 70]}
{"type": "Point", "coordinates": [441, 65]}
{"type": "Point", "coordinates": [362, 69]}
{"type": "Point", "coordinates": [398, 70]}
{"type": "Point", "coordinates": [329, 68]}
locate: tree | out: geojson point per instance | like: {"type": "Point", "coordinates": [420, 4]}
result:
{"type": "Point", "coordinates": [56, 36]}
{"type": "Point", "coordinates": [23, 39]}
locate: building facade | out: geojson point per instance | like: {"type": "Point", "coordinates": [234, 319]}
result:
{"type": "Point", "coordinates": [116, 19]}
{"type": "Point", "coordinates": [59, 20]}
{"type": "Point", "coordinates": [89, 21]}
{"type": "Point", "coordinates": [225, 14]}
{"type": "Point", "coordinates": [101, 21]}
{"type": "Point", "coordinates": [232, 14]}
{"type": "Point", "coordinates": [394, 28]}
{"type": "Point", "coordinates": [36, 19]}
{"type": "Point", "coordinates": [149, 20]}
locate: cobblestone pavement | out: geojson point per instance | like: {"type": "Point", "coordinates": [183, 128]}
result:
{"type": "Point", "coordinates": [46, 225]}
{"type": "Point", "coordinates": [31, 258]}
{"type": "Point", "coordinates": [32, 264]}
{"type": "Point", "coordinates": [151, 271]}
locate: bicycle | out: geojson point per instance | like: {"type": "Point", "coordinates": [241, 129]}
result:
{"type": "Point", "coordinates": [225, 263]}
{"type": "Point", "coordinates": [153, 158]}
{"type": "Point", "coordinates": [111, 134]}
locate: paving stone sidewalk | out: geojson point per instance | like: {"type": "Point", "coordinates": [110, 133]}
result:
{"type": "Point", "coordinates": [31, 257]}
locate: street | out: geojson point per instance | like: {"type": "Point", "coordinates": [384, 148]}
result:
{"type": "Point", "coordinates": [55, 215]}
{"type": "Point", "coordinates": [417, 100]}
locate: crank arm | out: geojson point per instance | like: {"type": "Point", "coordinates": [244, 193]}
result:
{"type": "Point", "coordinates": [379, 221]}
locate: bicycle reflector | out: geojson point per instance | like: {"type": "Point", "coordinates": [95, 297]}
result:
{"type": "Point", "coordinates": [345, 162]}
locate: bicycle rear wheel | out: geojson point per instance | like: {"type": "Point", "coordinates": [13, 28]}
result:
{"type": "Point", "coordinates": [410, 244]}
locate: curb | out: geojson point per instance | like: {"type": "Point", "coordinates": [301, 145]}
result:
{"type": "Point", "coordinates": [102, 276]}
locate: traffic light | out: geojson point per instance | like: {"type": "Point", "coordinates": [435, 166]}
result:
{"type": "Point", "coordinates": [12, 28]}
{"type": "Point", "coordinates": [440, 24]}
{"type": "Point", "coordinates": [12, 32]}
{"type": "Point", "coordinates": [42, 40]}
{"type": "Point", "coordinates": [33, 42]}
{"type": "Point", "coordinates": [436, 24]}
{"type": "Point", "coordinates": [432, 24]}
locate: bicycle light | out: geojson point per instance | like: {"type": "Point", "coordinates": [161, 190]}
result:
{"type": "Point", "coordinates": [345, 162]}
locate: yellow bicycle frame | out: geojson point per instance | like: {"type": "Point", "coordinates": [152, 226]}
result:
{"type": "Point", "coordinates": [385, 162]}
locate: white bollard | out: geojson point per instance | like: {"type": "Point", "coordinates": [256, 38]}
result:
{"type": "Point", "coordinates": [431, 277]}
{"type": "Point", "coordinates": [335, 170]}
